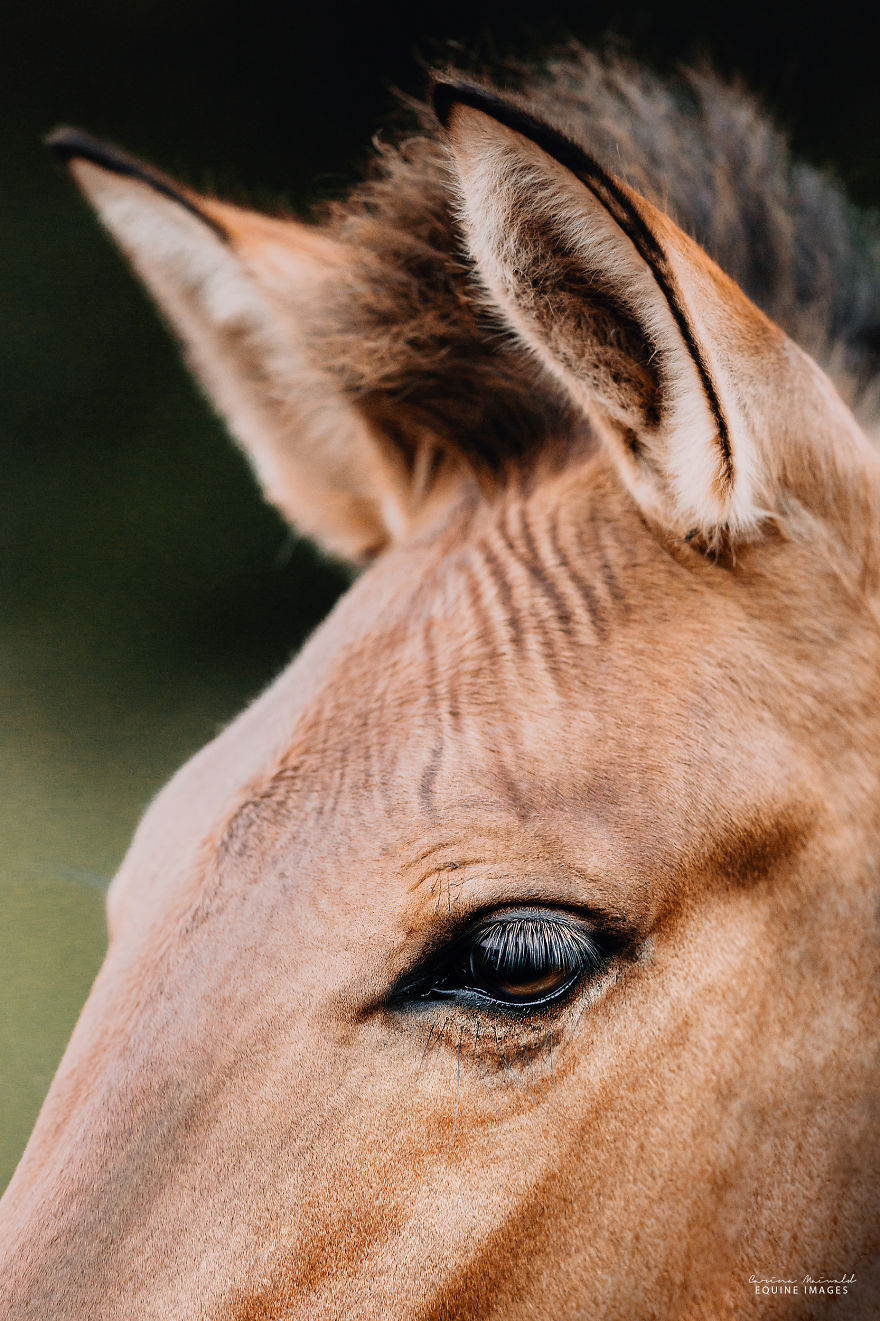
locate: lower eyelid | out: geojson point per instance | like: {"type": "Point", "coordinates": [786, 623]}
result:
{"type": "Point", "coordinates": [472, 999]}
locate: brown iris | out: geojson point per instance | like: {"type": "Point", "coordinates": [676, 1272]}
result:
{"type": "Point", "coordinates": [518, 982]}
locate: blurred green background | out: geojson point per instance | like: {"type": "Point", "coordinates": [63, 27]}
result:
{"type": "Point", "coordinates": [146, 592]}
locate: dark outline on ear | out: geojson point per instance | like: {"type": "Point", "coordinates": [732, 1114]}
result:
{"type": "Point", "coordinates": [447, 92]}
{"type": "Point", "coordinates": [72, 144]}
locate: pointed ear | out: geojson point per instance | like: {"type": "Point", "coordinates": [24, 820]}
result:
{"type": "Point", "coordinates": [703, 400]}
{"type": "Point", "coordinates": [237, 287]}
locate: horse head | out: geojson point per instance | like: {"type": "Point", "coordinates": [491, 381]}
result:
{"type": "Point", "coordinates": [511, 955]}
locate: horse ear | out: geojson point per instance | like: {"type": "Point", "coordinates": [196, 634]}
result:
{"type": "Point", "coordinates": [683, 375]}
{"type": "Point", "coordinates": [237, 288]}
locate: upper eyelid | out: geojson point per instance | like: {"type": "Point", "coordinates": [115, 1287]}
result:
{"type": "Point", "coordinates": [607, 926]}
{"type": "Point", "coordinates": [560, 936]}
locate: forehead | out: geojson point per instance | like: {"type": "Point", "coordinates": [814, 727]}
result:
{"type": "Point", "coordinates": [535, 671]}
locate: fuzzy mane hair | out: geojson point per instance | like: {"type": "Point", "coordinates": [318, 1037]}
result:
{"type": "Point", "coordinates": [406, 330]}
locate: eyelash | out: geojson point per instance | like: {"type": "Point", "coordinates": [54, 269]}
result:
{"type": "Point", "coordinates": [511, 944]}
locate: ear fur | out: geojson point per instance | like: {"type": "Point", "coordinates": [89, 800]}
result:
{"type": "Point", "coordinates": [715, 418]}
{"type": "Point", "coordinates": [679, 370]}
{"type": "Point", "coordinates": [236, 287]}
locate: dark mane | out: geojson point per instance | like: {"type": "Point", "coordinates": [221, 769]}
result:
{"type": "Point", "coordinates": [407, 330]}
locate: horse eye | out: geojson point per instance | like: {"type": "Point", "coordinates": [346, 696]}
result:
{"type": "Point", "coordinates": [525, 957]}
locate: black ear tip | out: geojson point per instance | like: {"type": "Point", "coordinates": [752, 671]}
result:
{"type": "Point", "coordinates": [66, 142]}
{"type": "Point", "coordinates": [447, 92]}
{"type": "Point", "coordinates": [70, 144]}
{"type": "Point", "coordinates": [442, 93]}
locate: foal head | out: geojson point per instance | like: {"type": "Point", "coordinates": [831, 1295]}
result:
{"type": "Point", "coordinates": [511, 955]}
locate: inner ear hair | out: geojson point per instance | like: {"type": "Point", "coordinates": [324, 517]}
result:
{"type": "Point", "coordinates": [447, 93]}
{"type": "Point", "coordinates": [590, 329]}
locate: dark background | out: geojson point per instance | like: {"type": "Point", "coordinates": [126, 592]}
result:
{"type": "Point", "coordinates": [146, 592]}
